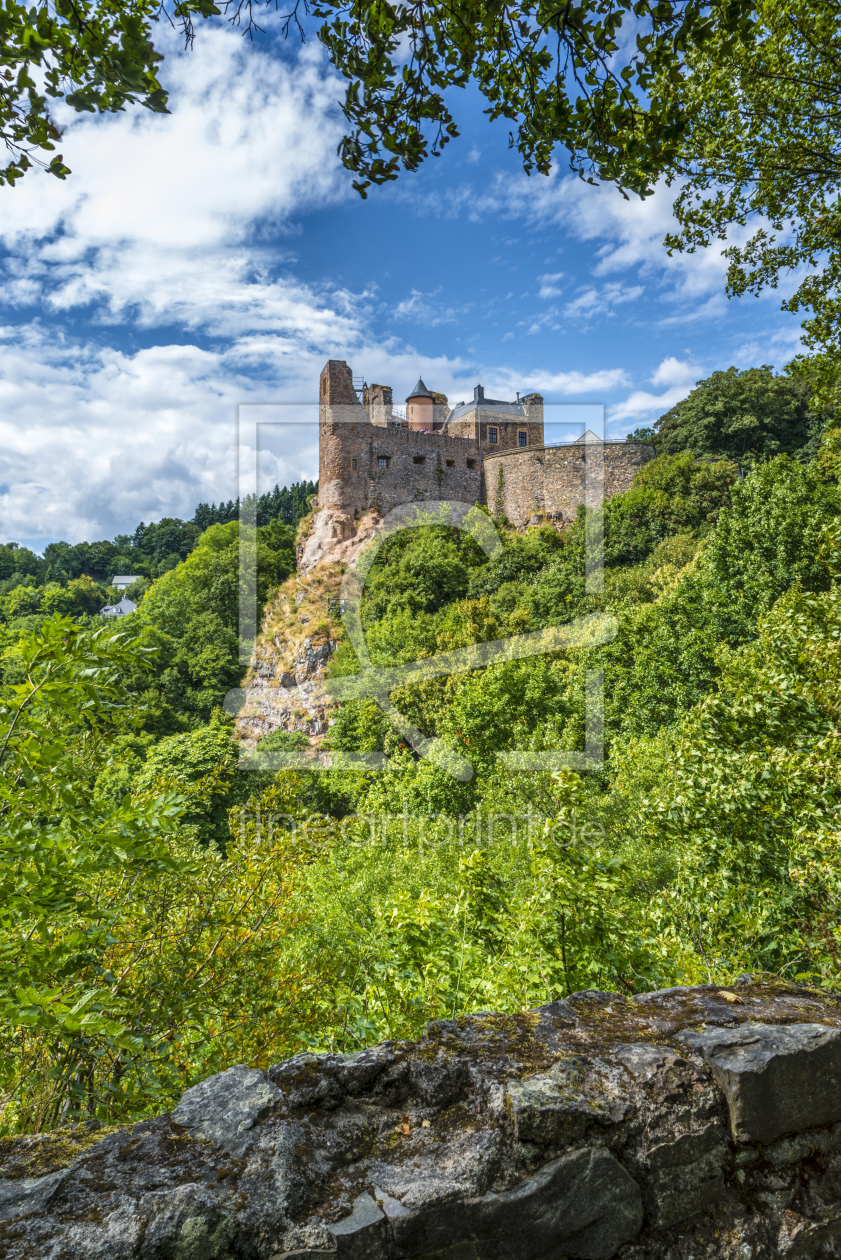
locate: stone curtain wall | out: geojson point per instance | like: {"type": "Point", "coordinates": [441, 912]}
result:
{"type": "Point", "coordinates": [549, 481]}
{"type": "Point", "coordinates": [689, 1124]}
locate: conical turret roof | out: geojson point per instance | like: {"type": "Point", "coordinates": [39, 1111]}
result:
{"type": "Point", "coordinates": [420, 391]}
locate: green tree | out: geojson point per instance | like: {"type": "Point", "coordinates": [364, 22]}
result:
{"type": "Point", "coordinates": [86, 595]}
{"type": "Point", "coordinates": [419, 570]}
{"type": "Point", "coordinates": [15, 559]}
{"type": "Point", "coordinates": [191, 615]}
{"type": "Point", "coordinates": [741, 415]}
{"type": "Point", "coordinates": [207, 757]}
{"type": "Point", "coordinates": [58, 724]}
{"type": "Point", "coordinates": [760, 146]}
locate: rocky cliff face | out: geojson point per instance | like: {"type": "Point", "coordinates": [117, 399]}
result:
{"type": "Point", "coordinates": [690, 1124]}
{"type": "Point", "coordinates": [284, 688]}
{"type": "Point", "coordinates": [335, 536]}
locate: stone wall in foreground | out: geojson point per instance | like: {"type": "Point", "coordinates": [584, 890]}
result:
{"type": "Point", "coordinates": [690, 1124]}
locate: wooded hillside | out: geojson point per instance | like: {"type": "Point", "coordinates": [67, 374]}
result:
{"type": "Point", "coordinates": [169, 913]}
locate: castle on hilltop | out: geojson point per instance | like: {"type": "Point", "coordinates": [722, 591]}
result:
{"type": "Point", "coordinates": [372, 457]}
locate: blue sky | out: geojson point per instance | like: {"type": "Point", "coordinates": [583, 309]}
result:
{"type": "Point", "coordinates": [218, 256]}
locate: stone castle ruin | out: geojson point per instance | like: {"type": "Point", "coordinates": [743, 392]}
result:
{"type": "Point", "coordinates": [374, 457]}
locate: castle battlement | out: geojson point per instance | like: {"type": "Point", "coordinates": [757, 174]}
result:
{"type": "Point", "coordinates": [372, 459]}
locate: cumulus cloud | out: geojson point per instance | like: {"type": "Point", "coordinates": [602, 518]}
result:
{"type": "Point", "coordinates": [678, 376]}
{"type": "Point", "coordinates": [592, 302]}
{"type": "Point", "coordinates": [96, 439]}
{"type": "Point", "coordinates": [158, 221]}
{"type": "Point", "coordinates": [163, 223]}
{"type": "Point", "coordinates": [673, 371]}
{"type": "Point", "coordinates": [643, 404]}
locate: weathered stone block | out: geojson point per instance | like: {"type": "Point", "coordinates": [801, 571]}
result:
{"type": "Point", "coordinates": [549, 1109]}
{"type": "Point", "coordinates": [777, 1079]}
{"type": "Point", "coordinates": [363, 1235]}
{"type": "Point", "coordinates": [419, 1151]}
{"type": "Point", "coordinates": [226, 1106]}
{"type": "Point", "coordinates": [29, 1194]}
{"type": "Point", "coordinates": [584, 1204]}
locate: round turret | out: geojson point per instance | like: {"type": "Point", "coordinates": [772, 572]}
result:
{"type": "Point", "coordinates": [420, 408]}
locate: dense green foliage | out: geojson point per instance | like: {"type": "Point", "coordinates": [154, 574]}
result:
{"type": "Point", "coordinates": [196, 612]}
{"type": "Point", "coordinates": [760, 146]}
{"type": "Point", "coordinates": [168, 913]}
{"type": "Point", "coordinates": [743, 416]}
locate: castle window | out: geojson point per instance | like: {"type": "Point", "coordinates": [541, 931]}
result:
{"type": "Point", "coordinates": [451, 463]}
{"type": "Point", "coordinates": [521, 439]}
{"type": "Point", "coordinates": [382, 461]}
{"type": "Point", "coordinates": [492, 435]}
{"type": "Point", "coordinates": [471, 463]}
{"type": "Point", "coordinates": [418, 459]}
{"type": "Point", "coordinates": [353, 464]}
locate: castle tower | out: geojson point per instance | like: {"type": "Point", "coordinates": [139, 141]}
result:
{"type": "Point", "coordinates": [377, 401]}
{"type": "Point", "coordinates": [342, 441]}
{"type": "Point", "coordinates": [420, 408]}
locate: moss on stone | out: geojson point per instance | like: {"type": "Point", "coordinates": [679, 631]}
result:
{"type": "Point", "coordinates": [48, 1152]}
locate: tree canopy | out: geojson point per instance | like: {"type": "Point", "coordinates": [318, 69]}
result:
{"type": "Point", "coordinates": [760, 149]}
{"type": "Point", "coordinates": [568, 76]}
{"type": "Point", "coordinates": [743, 416]}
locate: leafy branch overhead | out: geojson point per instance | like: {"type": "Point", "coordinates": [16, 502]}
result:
{"type": "Point", "coordinates": [97, 55]}
{"type": "Point", "coordinates": [578, 75]}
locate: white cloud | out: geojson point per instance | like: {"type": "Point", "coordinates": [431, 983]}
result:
{"type": "Point", "coordinates": [624, 234]}
{"type": "Point", "coordinates": [158, 221]}
{"type": "Point", "coordinates": [427, 309]}
{"type": "Point", "coordinates": [775, 346]}
{"type": "Point", "coordinates": [680, 379]}
{"type": "Point", "coordinates": [643, 404]}
{"type": "Point", "coordinates": [549, 286]}
{"type": "Point", "coordinates": [558, 384]}
{"type": "Point", "coordinates": [94, 440]}
{"type": "Point", "coordinates": [592, 302]}
{"type": "Point", "coordinates": [673, 372]}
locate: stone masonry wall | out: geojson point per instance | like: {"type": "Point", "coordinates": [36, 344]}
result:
{"type": "Point", "coordinates": [420, 466]}
{"type": "Point", "coordinates": [550, 481]}
{"type": "Point", "coordinates": [688, 1124]}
